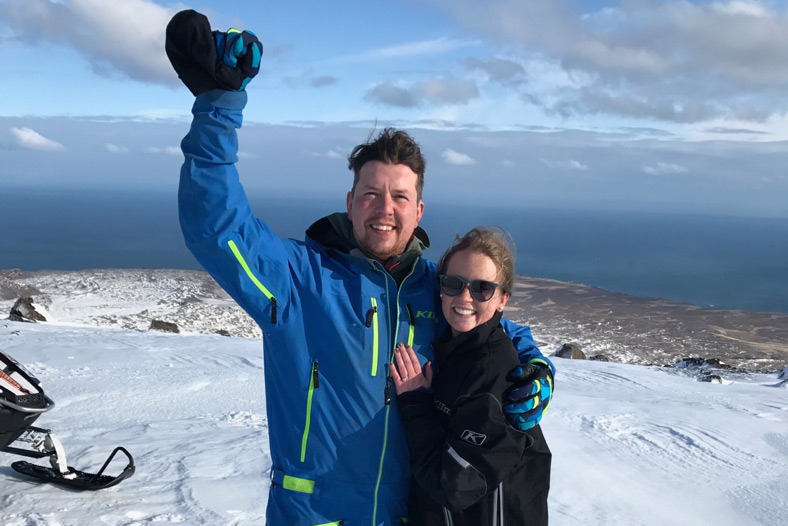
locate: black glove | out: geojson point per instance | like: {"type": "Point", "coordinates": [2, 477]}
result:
{"type": "Point", "coordinates": [191, 48]}
{"type": "Point", "coordinates": [527, 400]}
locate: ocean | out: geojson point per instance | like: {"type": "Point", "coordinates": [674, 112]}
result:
{"type": "Point", "coordinates": [717, 261]}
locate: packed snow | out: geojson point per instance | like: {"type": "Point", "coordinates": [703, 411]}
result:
{"type": "Point", "coordinates": [632, 445]}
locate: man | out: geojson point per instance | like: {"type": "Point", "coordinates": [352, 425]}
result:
{"type": "Point", "coordinates": [332, 307]}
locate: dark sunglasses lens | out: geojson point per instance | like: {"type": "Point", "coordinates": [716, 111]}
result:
{"type": "Point", "coordinates": [451, 285]}
{"type": "Point", "coordinates": [482, 290]}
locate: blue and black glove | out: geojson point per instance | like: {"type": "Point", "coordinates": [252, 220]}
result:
{"type": "Point", "coordinates": [528, 399]}
{"type": "Point", "coordinates": [206, 60]}
{"type": "Point", "coordinates": [241, 51]}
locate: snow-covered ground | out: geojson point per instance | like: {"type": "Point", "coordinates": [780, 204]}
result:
{"type": "Point", "coordinates": [632, 445]}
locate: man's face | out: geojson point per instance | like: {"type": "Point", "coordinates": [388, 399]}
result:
{"type": "Point", "coordinates": [384, 208]}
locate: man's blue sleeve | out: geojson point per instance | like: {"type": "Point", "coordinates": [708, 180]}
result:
{"type": "Point", "coordinates": [524, 343]}
{"type": "Point", "coordinates": [240, 251]}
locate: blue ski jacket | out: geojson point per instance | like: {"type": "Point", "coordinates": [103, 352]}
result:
{"type": "Point", "coordinates": [330, 322]}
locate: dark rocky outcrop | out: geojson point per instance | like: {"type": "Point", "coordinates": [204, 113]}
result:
{"type": "Point", "coordinates": [25, 310]}
{"type": "Point", "coordinates": [704, 363]}
{"type": "Point", "coordinates": [10, 289]}
{"type": "Point", "coordinates": [570, 351]}
{"type": "Point", "coordinates": [599, 358]}
{"type": "Point", "coordinates": [164, 326]}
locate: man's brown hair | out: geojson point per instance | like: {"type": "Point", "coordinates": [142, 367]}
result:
{"type": "Point", "coordinates": [392, 146]}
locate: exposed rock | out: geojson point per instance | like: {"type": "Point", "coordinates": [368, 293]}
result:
{"type": "Point", "coordinates": [164, 326]}
{"type": "Point", "coordinates": [223, 332]}
{"type": "Point", "coordinates": [10, 289]}
{"type": "Point", "coordinates": [782, 377]}
{"type": "Point", "coordinates": [704, 363]}
{"type": "Point", "coordinates": [711, 378]}
{"type": "Point", "coordinates": [715, 363]}
{"type": "Point", "coordinates": [571, 351]}
{"type": "Point", "coordinates": [599, 358]}
{"type": "Point", "coordinates": [25, 310]}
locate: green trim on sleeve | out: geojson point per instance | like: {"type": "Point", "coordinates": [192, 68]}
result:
{"type": "Point", "coordinates": [245, 266]}
{"type": "Point", "coordinates": [238, 256]}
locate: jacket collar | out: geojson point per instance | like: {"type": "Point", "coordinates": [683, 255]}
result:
{"type": "Point", "coordinates": [447, 345]}
{"type": "Point", "coordinates": [335, 232]}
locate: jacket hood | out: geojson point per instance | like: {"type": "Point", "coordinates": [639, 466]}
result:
{"type": "Point", "coordinates": [335, 232]}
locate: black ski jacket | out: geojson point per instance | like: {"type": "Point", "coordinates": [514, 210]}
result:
{"type": "Point", "coordinates": [470, 467]}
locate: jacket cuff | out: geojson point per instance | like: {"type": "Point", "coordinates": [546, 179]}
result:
{"type": "Point", "coordinates": [414, 403]}
{"type": "Point", "coordinates": [228, 100]}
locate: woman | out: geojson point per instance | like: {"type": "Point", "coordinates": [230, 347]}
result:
{"type": "Point", "coordinates": [469, 466]}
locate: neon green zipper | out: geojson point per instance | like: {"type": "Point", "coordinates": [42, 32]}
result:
{"type": "Point", "coordinates": [314, 383]}
{"type": "Point", "coordinates": [411, 325]}
{"type": "Point", "coordinates": [388, 405]}
{"type": "Point", "coordinates": [372, 320]}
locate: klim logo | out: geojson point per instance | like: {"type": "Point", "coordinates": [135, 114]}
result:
{"type": "Point", "coordinates": [472, 437]}
{"type": "Point", "coordinates": [428, 314]}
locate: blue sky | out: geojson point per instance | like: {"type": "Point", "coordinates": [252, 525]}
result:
{"type": "Point", "coordinates": [671, 105]}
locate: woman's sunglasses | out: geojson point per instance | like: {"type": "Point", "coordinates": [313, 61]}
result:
{"type": "Point", "coordinates": [480, 289]}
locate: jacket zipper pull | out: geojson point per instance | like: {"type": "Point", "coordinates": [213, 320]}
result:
{"type": "Point", "coordinates": [410, 314]}
{"type": "Point", "coordinates": [273, 311]}
{"type": "Point", "coordinates": [387, 391]}
{"type": "Point", "coordinates": [370, 314]}
{"type": "Point", "coordinates": [315, 378]}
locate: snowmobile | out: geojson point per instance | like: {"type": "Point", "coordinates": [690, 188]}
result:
{"type": "Point", "coordinates": [22, 401]}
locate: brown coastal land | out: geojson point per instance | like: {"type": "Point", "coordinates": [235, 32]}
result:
{"type": "Point", "coordinates": [622, 328]}
{"type": "Point", "coordinates": [638, 330]}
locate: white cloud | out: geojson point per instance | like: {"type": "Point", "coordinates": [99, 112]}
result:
{"type": "Point", "coordinates": [577, 165]}
{"type": "Point", "coordinates": [569, 164]}
{"type": "Point", "coordinates": [113, 148]}
{"type": "Point", "coordinates": [664, 168]}
{"type": "Point", "coordinates": [739, 7]}
{"type": "Point", "coordinates": [391, 94]}
{"type": "Point", "coordinates": [32, 140]}
{"type": "Point", "coordinates": [434, 90]}
{"type": "Point", "coordinates": [408, 50]}
{"type": "Point", "coordinates": [448, 90]}
{"type": "Point", "coordinates": [168, 150]}
{"type": "Point", "coordinates": [331, 154]}
{"type": "Point", "coordinates": [672, 60]}
{"type": "Point", "coordinates": [457, 158]}
{"type": "Point", "coordinates": [125, 37]}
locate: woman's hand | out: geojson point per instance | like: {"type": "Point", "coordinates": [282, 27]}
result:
{"type": "Point", "coordinates": [407, 374]}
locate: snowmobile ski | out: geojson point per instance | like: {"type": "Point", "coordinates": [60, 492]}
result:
{"type": "Point", "coordinates": [76, 478]}
{"type": "Point", "coordinates": [22, 401]}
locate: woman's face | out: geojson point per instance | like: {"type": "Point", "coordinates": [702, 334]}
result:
{"type": "Point", "coordinates": [463, 312]}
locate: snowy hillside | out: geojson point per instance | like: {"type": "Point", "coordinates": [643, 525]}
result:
{"type": "Point", "coordinates": [623, 328]}
{"type": "Point", "coordinates": [633, 445]}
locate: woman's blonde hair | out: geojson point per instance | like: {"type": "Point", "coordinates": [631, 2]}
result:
{"type": "Point", "coordinates": [493, 242]}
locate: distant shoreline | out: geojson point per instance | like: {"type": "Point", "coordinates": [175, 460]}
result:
{"type": "Point", "coordinates": [648, 330]}
{"type": "Point", "coordinates": [521, 280]}
{"type": "Point", "coordinates": [621, 327]}
{"type": "Point", "coordinates": [682, 256]}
